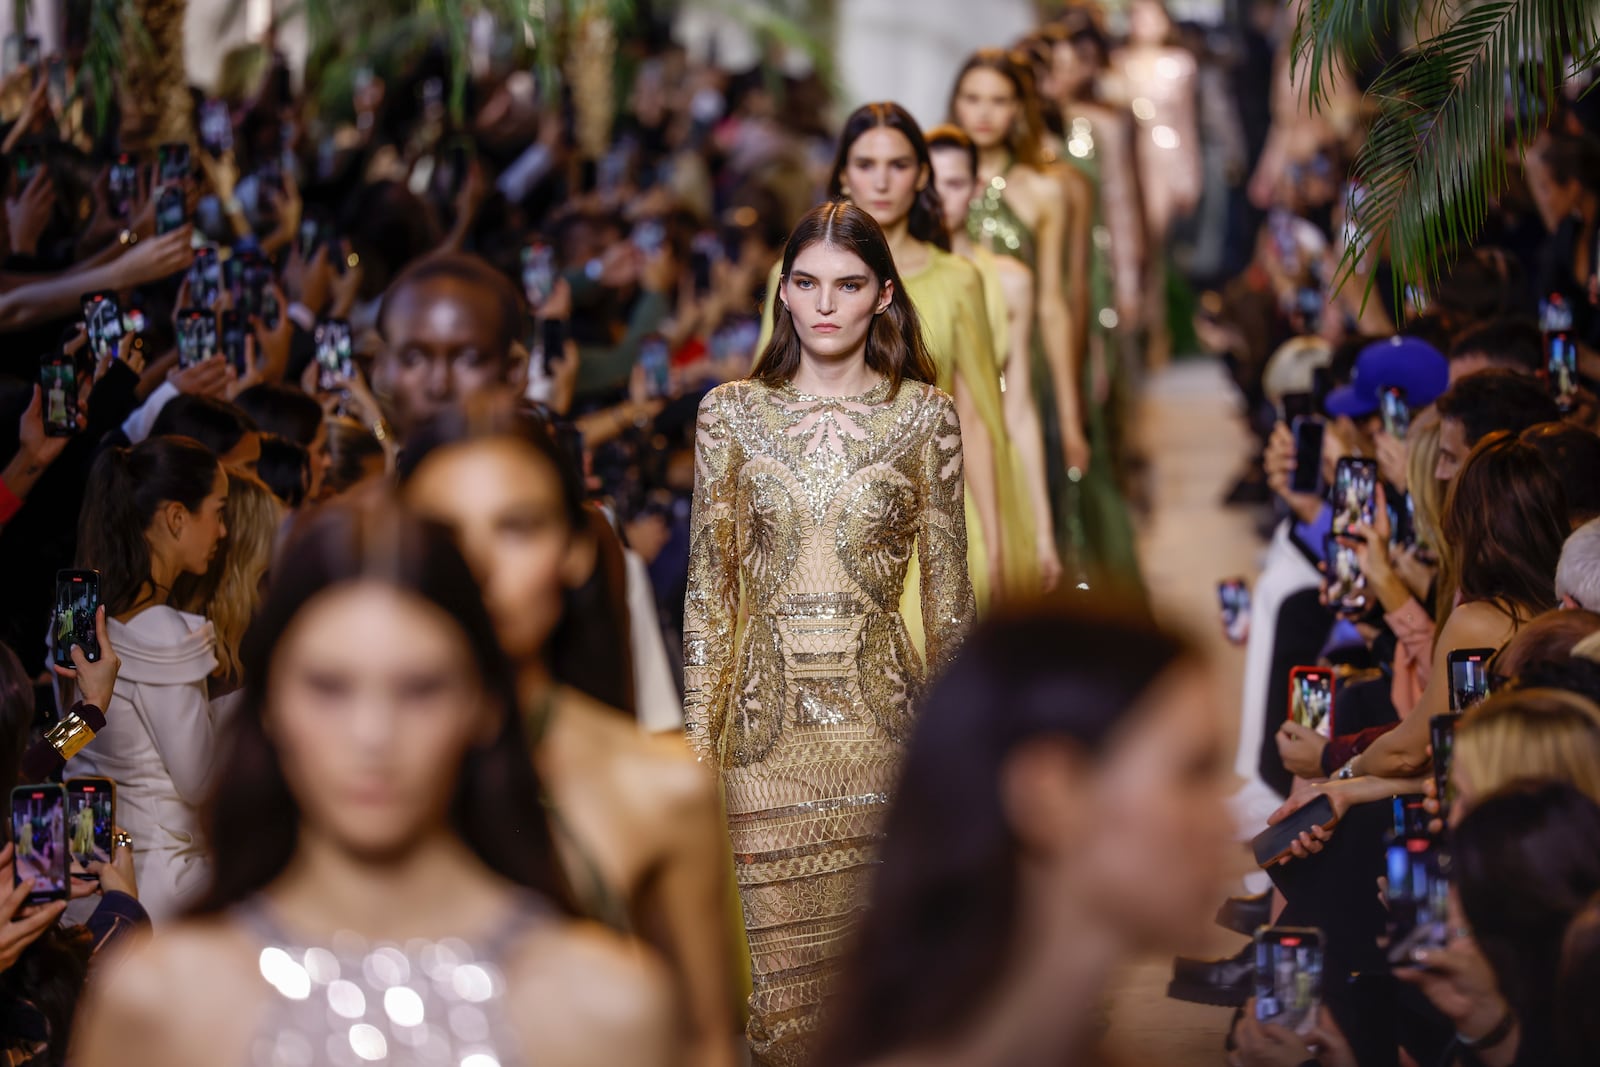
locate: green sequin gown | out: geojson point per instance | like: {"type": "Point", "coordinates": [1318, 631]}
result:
{"type": "Point", "coordinates": [1094, 532]}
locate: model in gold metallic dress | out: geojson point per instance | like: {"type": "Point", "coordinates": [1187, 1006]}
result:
{"type": "Point", "coordinates": [800, 677]}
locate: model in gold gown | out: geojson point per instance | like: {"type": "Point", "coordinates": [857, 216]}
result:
{"type": "Point", "coordinates": [806, 513]}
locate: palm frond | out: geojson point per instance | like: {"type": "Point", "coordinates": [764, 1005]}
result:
{"type": "Point", "coordinates": [1437, 152]}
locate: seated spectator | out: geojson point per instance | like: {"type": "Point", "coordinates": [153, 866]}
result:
{"type": "Point", "coordinates": [1483, 403]}
{"type": "Point", "coordinates": [290, 413]}
{"type": "Point", "coordinates": [1578, 573]}
{"type": "Point", "coordinates": [225, 431]}
{"type": "Point", "coordinates": [1574, 454]}
{"type": "Point", "coordinates": [285, 468]}
{"type": "Point", "coordinates": [354, 456]}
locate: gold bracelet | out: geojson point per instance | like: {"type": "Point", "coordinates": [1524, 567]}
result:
{"type": "Point", "coordinates": [69, 736]}
{"type": "Point", "coordinates": [380, 430]}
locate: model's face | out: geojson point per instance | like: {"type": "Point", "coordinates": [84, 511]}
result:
{"type": "Point", "coordinates": [833, 296]}
{"type": "Point", "coordinates": [373, 701]}
{"type": "Point", "coordinates": [504, 503]}
{"type": "Point", "coordinates": [882, 175]}
{"type": "Point", "coordinates": [986, 107]}
{"type": "Point", "coordinates": [246, 455]}
{"type": "Point", "coordinates": [1148, 22]}
{"type": "Point", "coordinates": [1157, 830]}
{"type": "Point", "coordinates": [956, 185]}
{"type": "Point", "coordinates": [199, 532]}
{"type": "Point", "coordinates": [443, 347]}
{"type": "Point", "coordinates": [1453, 450]}
{"type": "Point", "coordinates": [1071, 70]}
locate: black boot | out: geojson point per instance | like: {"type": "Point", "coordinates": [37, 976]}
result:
{"type": "Point", "coordinates": [1226, 983]}
{"type": "Point", "coordinates": [1245, 915]}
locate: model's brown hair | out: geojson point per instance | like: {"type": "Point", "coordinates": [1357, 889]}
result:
{"type": "Point", "coordinates": [926, 218]}
{"type": "Point", "coordinates": [895, 348]}
{"type": "Point", "coordinates": [1025, 139]}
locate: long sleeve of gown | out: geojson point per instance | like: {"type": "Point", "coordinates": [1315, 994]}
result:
{"type": "Point", "coordinates": [710, 610]}
{"type": "Point", "coordinates": [947, 602]}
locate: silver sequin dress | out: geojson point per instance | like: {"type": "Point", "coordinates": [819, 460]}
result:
{"type": "Point", "coordinates": [800, 676]}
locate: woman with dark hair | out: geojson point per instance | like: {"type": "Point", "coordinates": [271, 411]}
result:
{"type": "Point", "coordinates": [229, 433]}
{"type": "Point", "coordinates": [883, 166]}
{"type": "Point", "coordinates": [151, 514]}
{"type": "Point", "coordinates": [1026, 211]}
{"type": "Point", "coordinates": [1526, 861]}
{"type": "Point", "coordinates": [378, 841]}
{"type": "Point", "coordinates": [815, 480]}
{"type": "Point", "coordinates": [636, 819]}
{"type": "Point", "coordinates": [285, 468]}
{"type": "Point", "coordinates": [1008, 298]}
{"type": "Point", "coordinates": [1060, 809]}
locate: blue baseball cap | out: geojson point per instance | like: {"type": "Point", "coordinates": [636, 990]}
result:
{"type": "Point", "coordinates": [1407, 363]}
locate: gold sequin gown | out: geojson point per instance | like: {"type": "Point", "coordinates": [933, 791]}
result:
{"type": "Point", "coordinates": [800, 678]}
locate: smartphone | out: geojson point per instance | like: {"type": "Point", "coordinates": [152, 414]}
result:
{"type": "Point", "coordinates": [216, 127]}
{"type": "Point", "coordinates": [122, 183]}
{"type": "Point", "coordinates": [205, 277]}
{"type": "Point", "coordinates": [553, 339]}
{"type": "Point", "coordinates": [77, 599]}
{"type": "Point", "coordinates": [173, 164]}
{"type": "Point", "coordinates": [649, 235]}
{"type": "Point", "coordinates": [1411, 816]}
{"type": "Point", "coordinates": [1308, 433]}
{"type": "Point", "coordinates": [1469, 677]}
{"type": "Point", "coordinates": [1562, 366]}
{"type": "Point", "coordinates": [91, 820]}
{"type": "Point", "coordinates": [736, 338]}
{"type": "Point", "coordinates": [1347, 586]}
{"type": "Point", "coordinates": [1396, 415]}
{"type": "Point", "coordinates": [1289, 977]}
{"type": "Point", "coordinates": [197, 336]}
{"type": "Point", "coordinates": [55, 75]}
{"type": "Point", "coordinates": [171, 210]}
{"type": "Point", "coordinates": [1311, 698]}
{"type": "Point", "coordinates": [1355, 493]}
{"type": "Point", "coordinates": [1273, 843]}
{"type": "Point", "coordinates": [656, 359]}
{"type": "Point", "coordinates": [39, 832]}
{"type": "Point", "coordinates": [1419, 897]}
{"type": "Point", "coordinates": [538, 273]}
{"type": "Point", "coordinates": [102, 321]}
{"type": "Point", "coordinates": [58, 384]}
{"type": "Point", "coordinates": [335, 355]}
{"type": "Point", "coordinates": [233, 333]}
{"type": "Point", "coordinates": [1442, 735]}
{"type": "Point", "coordinates": [1294, 406]}
{"type": "Point", "coordinates": [703, 254]}
{"type": "Point", "coordinates": [256, 299]}
{"type": "Point", "coordinates": [1234, 596]}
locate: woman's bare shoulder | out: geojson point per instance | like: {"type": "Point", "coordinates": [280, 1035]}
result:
{"type": "Point", "coordinates": [657, 775]}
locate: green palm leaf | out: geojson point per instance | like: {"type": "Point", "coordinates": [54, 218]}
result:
{"type": "Point", "coordinates": [1437, 152]}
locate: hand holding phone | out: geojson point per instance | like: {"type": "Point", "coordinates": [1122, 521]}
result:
{"type": "Point", "coordinates": [77, 600]}
{"type": "Point", "coordinates": [197, 336]}
{"type": "Point", "coordinates": [1276, 842]}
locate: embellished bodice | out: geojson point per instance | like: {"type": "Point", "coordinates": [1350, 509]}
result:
{"type": "Point", "coordinates": [994, 224]}
{"type": "Point", "coordinates": [806, 512]}
{"type": "Point", "coordinates": [353, 1002]}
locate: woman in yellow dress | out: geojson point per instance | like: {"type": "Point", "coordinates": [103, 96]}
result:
{"type": "Point", "coordinates": [1008, 292]}
{"type": "Point", "coordinates": [815, 479]}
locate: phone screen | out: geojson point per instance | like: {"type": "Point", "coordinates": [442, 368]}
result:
{"type": "Point", "coordinates": [205, 277]}
{"type": "Point", "coordinates": [1289, 977]}
{"type": "Point", "coordinates": [1469, 677]}
{"type": "Point", "coordinates": [123, 184]}
{"type": "Point", "coordinates": [649, 235]}
{"type": "Point", "coordinates": [736, 338]}
{"type": "Point", "coordinates": [102, 322]}
{"type": "Point", "coordinates": [171, 210]}
{"type": "Point", "coordinates": [1234, 597]}
{"type": "Point", "coordinates": [197, 336]}
{"type": "Point", "coordinates": [335, 358]}
{"type": "Point", "coordinates": [1311, 699]}
{"type": "Point", "coordinates": [58, 381]}
{"type": "Point", "coordinates": [172, 163]}
{"type": "Point", "coordinates": [1294, 406]}
{"type": "Point", "coordinates": [1396, 415]}
{"type": "Point", "coordinates": [1307, 455]}
{"type": "Point", "coordinates": [255, 294]}
{"type": "Point", "coordinates": [39, 832]}
{"type": "Point", "coordinates": [1418, 897]}
{"type": "Point", "coordinates": [1442, 735]}
{"type": "Point", "coordinates": [233, 334]}
{"type": "Point", "coordinates": [656, 360]}
{"type": "Point", "coordinates": [1347, 586]}
{"type": "Point", "coordinates": [1563, 370]}
{"type": "Point", "coordinates": [216, 127]}
{"type": "Point", "coordinates": [77, 598]}
{"type": "Point", "coordinates": [1355, 493]}
{"type": "Point", "coordinates": [91, 819]}
{"type": "Point", "coordinates": [538, 273]}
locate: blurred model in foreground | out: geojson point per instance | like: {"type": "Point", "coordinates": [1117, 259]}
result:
{"type": "Point", "coordinates": [385, 885]}
{"type": "Point", "coordinates": [1060, 810]}
{"type": "Point", "coordinates": [814, 480]}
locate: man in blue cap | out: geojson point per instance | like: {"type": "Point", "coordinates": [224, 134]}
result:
{"type": "Point", "coordinates": [1408, 364]}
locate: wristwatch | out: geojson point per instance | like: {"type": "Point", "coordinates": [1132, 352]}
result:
{"type": "Point", "coordinates": [1348, 771]}
{"type": "Point", "coordinates": [128, 238]}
